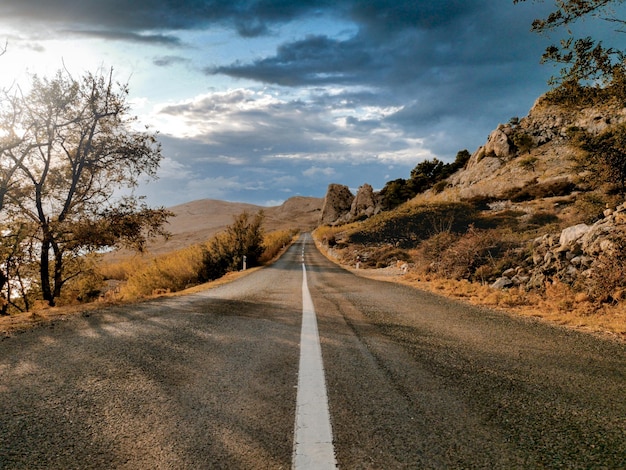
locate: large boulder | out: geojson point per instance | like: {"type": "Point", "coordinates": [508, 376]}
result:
{"type": "Point", "coordinates": [337, 204]}
{"type": "Point", "coordinates": [571, 235]}
{"type": "Point", "coordinates": [365, 203]}
{"type": "Point", "coordinates": [498, 143]}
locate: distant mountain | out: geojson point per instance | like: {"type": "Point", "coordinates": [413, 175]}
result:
{"type": "Point", "coordinates": [197, 221]}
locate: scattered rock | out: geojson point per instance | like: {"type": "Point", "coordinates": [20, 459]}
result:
{"type": "Point", "coordinates": [577, 253]}
{"type": "Point", "coordinates": [502, 283]}
{"type": "Point", "coordinates": [571, 235]}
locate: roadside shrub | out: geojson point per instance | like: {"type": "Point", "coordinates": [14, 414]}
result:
{"type": "Point", "coordinates": [386, 256]}
{"type": "Point", "coordinates": [199, 263]}
{"type": "Point", "coordinates": [429, 254]}
{"type": "Point", "coordinates": [606, 282]}
{"type": "Point", "coordinates": [477, 255]}
{"type": "Point", "coordinates": [225, 252]}
{"type": "Point", "coordinates": [274, 242]}
{"type": "Point", "coordinates": [119, 270]}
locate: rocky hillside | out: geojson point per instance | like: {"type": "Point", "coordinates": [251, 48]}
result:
{"type": "Point", "coordinates": [500, 166]}
{"type": "Point", "coordinates": [532, 154]}
{"type": "Point", "coordinates": [524, 187]}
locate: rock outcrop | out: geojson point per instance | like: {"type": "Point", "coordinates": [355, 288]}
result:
{"type": "Point", "coordinates": [341, 206]}
{"type": "Point", "coordinates": [365, 204]}
{"type": "Point", "coordinates": [337, 203]}
{"type": "Point", "coordinates": [500, 166]}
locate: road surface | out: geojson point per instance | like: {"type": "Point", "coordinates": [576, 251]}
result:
{"type": "Point", "coordinates": [217, 380]}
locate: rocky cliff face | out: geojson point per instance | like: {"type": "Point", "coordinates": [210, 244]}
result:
{"type": "Point", "coordinates": [341, 206]}
{"type": "Point", "coordinates": [502, 164]}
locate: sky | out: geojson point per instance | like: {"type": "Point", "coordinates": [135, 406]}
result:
{"type": "Point", "coordinates": [261, 100]}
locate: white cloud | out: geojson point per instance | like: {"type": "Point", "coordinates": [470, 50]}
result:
{"type": "Point", "coordinates": [316, 171]}
{"type": "Point", "coordinates": [173, 169]}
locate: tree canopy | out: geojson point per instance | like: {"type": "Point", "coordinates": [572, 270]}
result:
{"type": "Point", "coordinates": [584, 60]}
{"type": "Point", "coordinates": [67, 147]}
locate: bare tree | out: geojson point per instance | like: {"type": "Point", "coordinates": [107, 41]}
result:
{"type": "Point", "coordinates": [77, 149]}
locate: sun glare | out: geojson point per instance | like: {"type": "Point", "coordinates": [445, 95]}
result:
{"type": "Point", "coordinates": [24, 59]}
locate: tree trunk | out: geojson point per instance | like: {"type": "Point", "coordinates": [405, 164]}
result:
{"type": "Point", "coordinates": [58, 271]}
{"type": "Point", "coordinates": [44, 271]}
{"type": "Point", "coordinates": [4, 304]}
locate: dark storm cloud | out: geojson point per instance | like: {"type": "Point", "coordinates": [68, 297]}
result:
{"type": "Point", "coordinates": [445, 62]}
{"type": "Point", "coordinates": [169, 60]}
{"type": "Point", "coordinates": [111, 35]}
{"type": "Point", "coordinates": [250, 18]}
{"type": "Point", "coordinates": [399, 43]}
{"type": "Point", "coordinates": [315, 60]}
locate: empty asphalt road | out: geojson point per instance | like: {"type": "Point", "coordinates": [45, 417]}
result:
{"type": "Point", "coordinates": [214, 380]}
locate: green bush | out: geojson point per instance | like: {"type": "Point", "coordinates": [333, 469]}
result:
{"type": "Point", "coordinates": [226, 251]}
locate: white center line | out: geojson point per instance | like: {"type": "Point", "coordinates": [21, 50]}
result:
{"type": "Point", "coordinates": [313, 437]}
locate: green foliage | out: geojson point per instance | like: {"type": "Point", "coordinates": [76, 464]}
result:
{"type": "Point", "coordinates": [585, 61]}
{"type": "Point", "coordinates": [226, 251]}
{"type": "Point", "coordinates": [425, 175]}
{"type": "Point", "coordinates": [396, 192]}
